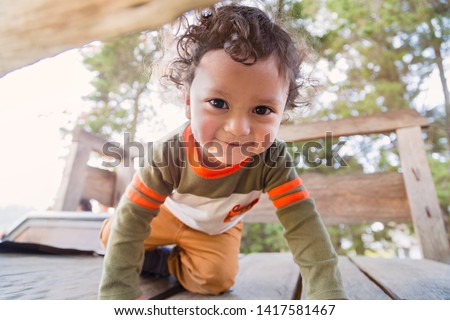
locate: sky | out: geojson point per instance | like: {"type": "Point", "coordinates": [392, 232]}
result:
{"type": "Point", "coordinates": [35, 102]}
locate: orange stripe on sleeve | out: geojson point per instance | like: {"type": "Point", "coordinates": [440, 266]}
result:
{"type": "Point", "coordinates": [291, 198]}
{"type": "Point", "coordinates": [140, 186]}
{"type": "Point", "coordinates": [275, 192]}
{"type": "Point", "coordinates": [136, 198]}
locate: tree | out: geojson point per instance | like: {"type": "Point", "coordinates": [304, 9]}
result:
{"type": "Point", "coordinates": [386, 49]}
{"type": "Point", "coordinates": [122, 81]}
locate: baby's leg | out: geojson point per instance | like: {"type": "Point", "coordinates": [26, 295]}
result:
{"type": "Point", "coordinates": [206, 264]}
{"type": "Point", "coordinates": [163, 231]}
{"type": "Point", "coordinates": [201, 263]}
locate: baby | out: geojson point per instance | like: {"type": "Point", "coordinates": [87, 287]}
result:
{"type": "Point", "coordinates": [239, 72]}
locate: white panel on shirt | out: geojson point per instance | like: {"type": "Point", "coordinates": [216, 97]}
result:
{"type": "Point", "coordinates": [207, 214]}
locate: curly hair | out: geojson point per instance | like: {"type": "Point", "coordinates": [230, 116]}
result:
{"type": "Point", "coordinates": [247, 34]}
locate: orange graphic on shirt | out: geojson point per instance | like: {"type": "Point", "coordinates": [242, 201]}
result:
{"type": "Point", "coordinates": [238, 210]}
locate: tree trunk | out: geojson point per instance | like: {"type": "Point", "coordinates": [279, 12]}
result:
{"type": "Point", "coordinates": [437, 42]}
{"type": "Point", "coordinates": [136, 111]}
{"type": "Point", "coordinates": [280, 5]}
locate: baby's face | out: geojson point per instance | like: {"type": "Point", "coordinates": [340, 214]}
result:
{"type": "Point", "coordinates": [235, 110]}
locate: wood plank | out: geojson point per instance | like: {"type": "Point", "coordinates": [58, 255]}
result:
{"type": "Point", "coordinates": [357, 285]}
{"type": "Point", "coordinates": [349, 198]}
{"type": "Point", "coordinates": [262, 276]}
{"type": "Point", "coordinates": [93, 141]}
{"type": "Point", "coordinates": [426, 213]}
{"type": "Point", "coordinates": [407, 278]}
{"type": "Point", "coordinates": [32, 30]}
{"type": "Point", "coordinates": [41, 277]}
{"type": "Point", "coordinates": [99, 185]}
{"type": "Point", "coordinates": [376, 123]}
{"type": "Point", "coordinates": [48, 277]}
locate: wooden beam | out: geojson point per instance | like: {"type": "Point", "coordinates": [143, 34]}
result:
{"type": "Point", "coordinates": [377, 123]}
{"type": "Point", "coordinates": [98, 143]}
{"type": "Point", "coordinates": [33, 30]}
{"type": "Point", "coordinates": [91, 140]}
{"type": "Point", "coordinates": [352, 199]}
{"type": "Point", "coordinates": [425, 210]}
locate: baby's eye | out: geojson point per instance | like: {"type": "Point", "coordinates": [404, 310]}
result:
{"type": "Point", "coordinates": [262, 110]}
{"type": "Point", "coordinates": [218, 103]}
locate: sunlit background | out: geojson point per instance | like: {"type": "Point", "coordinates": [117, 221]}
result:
{"type": "Point", "coordinates": [38, 101]}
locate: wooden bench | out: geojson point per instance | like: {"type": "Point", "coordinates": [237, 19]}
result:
{"type": "Point", "coordinates": [361, 198]}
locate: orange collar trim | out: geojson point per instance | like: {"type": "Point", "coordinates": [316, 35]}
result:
{"type": "Point", "coordinates": [193, 155]}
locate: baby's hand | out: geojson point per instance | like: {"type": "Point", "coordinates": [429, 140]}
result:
{"type": "Point", "coordinates": [141, 297]}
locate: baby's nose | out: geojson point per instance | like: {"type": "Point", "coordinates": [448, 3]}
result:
{"type": "Point", "coordinates": [238, 126]}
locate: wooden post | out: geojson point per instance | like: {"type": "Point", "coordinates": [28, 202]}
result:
{"type": "Point", "coordinates": [426, 213]}
{"type": "Point", "coordinates": [74, 176]}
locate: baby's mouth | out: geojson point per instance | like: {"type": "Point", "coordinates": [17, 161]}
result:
{"type": "Point", "coordinates": [237, 144]}
{"type": "Point", "coordinates": [233, 144]}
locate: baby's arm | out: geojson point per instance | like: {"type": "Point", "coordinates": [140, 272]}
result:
{"type": "Point", "coordinates": [313, 251]}
{"type": "Point", "coordinates": [304, 230]}
{"type": "Point", "coordinates": [125, 250]}
{"type": "Point", "coordinates": [124, 255]}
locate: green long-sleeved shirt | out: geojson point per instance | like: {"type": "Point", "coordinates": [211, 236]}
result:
{"type": "Point", "coordinates": [213, 201]}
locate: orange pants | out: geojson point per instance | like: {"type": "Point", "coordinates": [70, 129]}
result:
{"type": "Point", "coordinates": [202, 263]}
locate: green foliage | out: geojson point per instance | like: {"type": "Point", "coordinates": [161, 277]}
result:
{"type": "Point", "coordinates": [375, 239]}
{"type": "Point", "coordinates": [121, 83]}
{"type": "Point", "coordinates": [263, 237]}
{"type": "Point", "coordinates": [440, 170]}
{"type": "Point", "coordinates": [383, 49]}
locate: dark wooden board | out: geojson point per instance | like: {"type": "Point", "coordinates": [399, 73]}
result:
{"type": "Point", "coordinates": [52, 277]}
{"type": "Point", "coordinates": [357, 285]}
{"type": "Point", "coordinates": [408, 279]}
{"type": "Point", "coordinates": [41, 277]}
